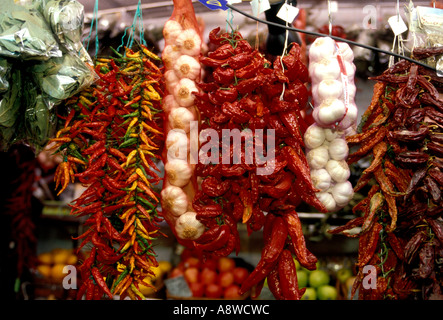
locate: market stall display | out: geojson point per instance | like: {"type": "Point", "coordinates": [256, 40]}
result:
{"type": "Point", "coordinates": [224, 147]}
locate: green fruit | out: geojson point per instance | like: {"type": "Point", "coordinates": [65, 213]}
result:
{"type": "Point", "coordinates": [297, 264]}
{"type": "Point", "coordinates": [310, 294]}
{"type": "Point", "coordinates": [318, 278]}
{"type": "Point", "coordinates": [302, 277]}
{"type": "Point", "coordinates": [343, 275]}
{"type": "Point", "coordinates": [327, 292]}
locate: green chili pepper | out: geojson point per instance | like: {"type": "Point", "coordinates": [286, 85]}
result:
{"type": "Point", "coordinates": [128, 142]}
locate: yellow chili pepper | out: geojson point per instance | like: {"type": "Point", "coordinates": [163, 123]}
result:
{"type": "Point", "coordinates": [150, 54]}
{"type": "Point", "coordinates": [141, 175]}
{"type": "Point", "coordinates": [140, 225]}
{"type": "Point", "coordinates": [131, 124]}
{"type": "Point", "coordinates": [134, 185]}
{"type": "Point", "coordinates": [131, 263]}
{"type": "Point", "coordinates": [133, 54]}
{"type": "Point", "coordinates": [151, 95]}
{"type": "Point", "coordinates": [134, 289]}
{"type": "Point", "coordinates": [142, 156]}
{"type": "Point", "coordinates": [86, 100]}
{"type": "Point", "coordinates": [120, 267]}
{"type": "Point", "coordinates": [126, 246]}
{"type": "Point", "coordinates": [143, 235]}
{"type": "Point", "coordinates": [130, 156]}
{"type": "Point", "coordinates": [59, 132]}
{"type": "Point", "coordinates": [151, 129]}
{"type": "Point", "coordinates": [103, 60]}
{"type": "Point", "coordinates": [147, 115]}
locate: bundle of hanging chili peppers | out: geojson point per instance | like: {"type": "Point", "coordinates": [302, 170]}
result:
{"type": "Point", "coordinates": [244, 92]}
{"type": "Point", "coordinates": [401, 227]}
{"type": "Point", "coordinates": [110, 142]}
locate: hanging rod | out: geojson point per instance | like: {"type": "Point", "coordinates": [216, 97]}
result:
{"type": "Point", "coordinates": [317, 34]}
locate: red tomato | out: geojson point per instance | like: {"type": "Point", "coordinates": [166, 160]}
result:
{"type": "Point", "coordinates": [210, 264]}
{"type": "Point", "coordinates": [197, 289]}
{"type": "Point", "coordinates": [176, 272]}
{"type": "Point", "coordinates": [240, 274]}
{"type": "Point", "coordinates": [226, 278]}
{"type": "Point", "coordinates": [213, 291]}
{"type": "Point", "coordinates": [192, 262]}
{"type": "Point", "coordinates": [232, 292]}
{"type": "Point", "coordinates": [191, 275]}
{"type": "Point", "coordinates": [226, 264]}
{"type": "Point", "coordinates": [208, 276]}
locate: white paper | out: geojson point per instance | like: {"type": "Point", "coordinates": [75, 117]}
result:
{"type": "Point", "coordinates": [287, 13]}
{"type": "Point", "coordinates": [397, 25]}
{"type": "Point", "coordinates": [333, 6]}
{"type": "Point", "coordinates": [259, 6]}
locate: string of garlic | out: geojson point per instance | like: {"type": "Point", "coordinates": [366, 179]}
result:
{"type": "Point", "coordinates": [180, 57]}
{"type": "Point", "coordinates": [332, 71]}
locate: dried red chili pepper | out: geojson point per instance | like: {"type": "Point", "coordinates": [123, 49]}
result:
{"type": "Point", "coordinates": [274, 283]}
{"type": "Point", "coordinates": [223, 76]}
{"type": "Point", "coordinates": [219, 242]}
{"type": "Point", "coordinates": [269, 257]}
{"type": "Point", "coordinates": [288, 276]}
{"type": "Point", "coordinates": [222, 52]}
{"type": "Point", "coordinates": [298, 241]}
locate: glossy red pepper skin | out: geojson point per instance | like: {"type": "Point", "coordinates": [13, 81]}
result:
{"type": "Point", "coordinates": [274, 283]}
{"type": "Point", "coordinates": [214, 188]}
{"type": "Point", "coordinates": [250, 70]}
{"type": "Point", "coordinates": [221, 95]}
{"type": "Point", "coordinates": [224, 76]}
{"type": "Point", "coordinates": [209, 235]}
{"type": "Point", "coordinates": [218, 242]}
{"type": "Point", "coordinates": [306, 258]}
{"type": "Point", "coordinates": [101, 282]}
{"type": "Point", "coordinates": [240, 60]}
{"type": "Point", "coordinates": [292, 124]}
{"type": "Point", "coordinates": [223, 52]}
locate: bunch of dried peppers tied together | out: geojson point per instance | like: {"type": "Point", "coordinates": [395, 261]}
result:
{"type": "Point", "coordinates": [401, 231]}
{"type": "Point", "coordinates": [110, 143]}
{"type": "Point", "coordinates": [263, 178]}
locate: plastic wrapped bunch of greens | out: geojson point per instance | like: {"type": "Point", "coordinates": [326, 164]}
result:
{"type": "Point", "coordinates": [61, 78]}
{"type": "Point", "coordinates": [25, 34]}
{"type": "Point", "coordinates": [38, 120]}
{"type": "Point", "coordinates": [5, 70]}
{"type": "Point", "coordinates": [10, 102]}
{"type": "Point", "coordinates": [66, 20]}
{"type": "Point", "coordinates": [41, 41]}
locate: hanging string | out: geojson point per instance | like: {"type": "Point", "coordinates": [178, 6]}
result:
{"type": "Point", "coordinates": [137, 19]}
{"type": "Point", "coordinates": [94, 22]}
{"type": "Point", "coordinates": [398, 39]}
{"type": "Point", "coordinates": [284, 50]}
{"type": "Point", "coordinates": [329, 18]}
{"type": "Point", "coordinates": [256, 29]}
{"type": "Point", "coordinates": [229, 19]}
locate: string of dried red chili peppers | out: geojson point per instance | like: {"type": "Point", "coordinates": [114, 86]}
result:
{"type": "Point", "coordinates": [401, 228]}
{"type": "Point", "coordinates": [244, 91]}
{"type": "Point", "coordinates": [110, 142]}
